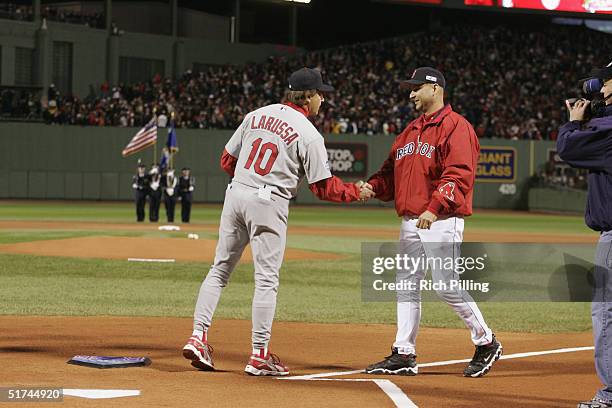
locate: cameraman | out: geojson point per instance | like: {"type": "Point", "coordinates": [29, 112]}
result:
{"type": "Point", "coordinates": [587, 144]}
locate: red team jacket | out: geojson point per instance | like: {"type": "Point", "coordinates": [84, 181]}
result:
{"type": "Point", "coordinates": [432, 166]}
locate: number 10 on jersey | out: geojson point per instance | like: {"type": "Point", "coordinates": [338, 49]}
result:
{"type": "Point", "coordinates": [261, 168]}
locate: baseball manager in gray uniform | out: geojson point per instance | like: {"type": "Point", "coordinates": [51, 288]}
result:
{"type": "Point", "coordinates": [274, 148]}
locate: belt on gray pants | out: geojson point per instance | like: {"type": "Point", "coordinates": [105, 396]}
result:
{"type": "Point", "coordinates": [272, 189]}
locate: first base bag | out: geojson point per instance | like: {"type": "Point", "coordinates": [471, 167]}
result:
{"type": "Point", "coordinates": [109, 362]}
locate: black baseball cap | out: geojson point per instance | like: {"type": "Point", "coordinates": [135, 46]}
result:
{"type": "Point", "coordinates": [424, 75]}
{"type": "Point", "coordinates": [306, 79]}
{"type": "Point", "coordinates": [604, 73]}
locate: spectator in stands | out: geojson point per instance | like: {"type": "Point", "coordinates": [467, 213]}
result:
{"type": "Point", "coordinates": [560, 176]}
{"type": "Point", "coordinates": [14, 11]}
{"type": "Point", "coordinates": [162, 119]}
{"type": "Point", "coordinates": [66, 15]}
{"type": "Point", "coordinates": [52, 93]}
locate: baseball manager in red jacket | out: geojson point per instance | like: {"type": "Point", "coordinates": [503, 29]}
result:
{"type": "Point", "coordinates": [430, 174]}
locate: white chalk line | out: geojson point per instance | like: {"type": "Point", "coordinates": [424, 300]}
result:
{"type": "Point", "coordinates": [399, 398]}
{"type": "Point", "coordinates": [444, 363]}
{"type": "Point", "coordinates": [150, 260]}
{"type": "Point", "coordinates": [100, 394]}
{"type": "Point", "coordinates": [322, 375]}
{"type": "Point", "coordinates": [395, 393]}
{"type": "Point", "coordinates": [512, 356]}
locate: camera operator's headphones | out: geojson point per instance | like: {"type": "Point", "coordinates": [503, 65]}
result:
{"type": "Point", "coordinates": [593, 84]}
{"type": "Point", "coordinates": [591, 87]}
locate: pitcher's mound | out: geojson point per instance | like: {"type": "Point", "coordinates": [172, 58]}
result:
{"type": "Point", "coordinates": [181, 249]}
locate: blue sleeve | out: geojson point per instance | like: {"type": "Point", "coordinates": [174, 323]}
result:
{"type": "Point", "coordinates": [588, 148]}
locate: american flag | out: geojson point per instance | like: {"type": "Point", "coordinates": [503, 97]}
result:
{"type": "Point", "coordinates": [143, 139]}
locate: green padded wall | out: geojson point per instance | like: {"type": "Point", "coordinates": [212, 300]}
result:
{"type": "Point", "coordinates": [72, 162]}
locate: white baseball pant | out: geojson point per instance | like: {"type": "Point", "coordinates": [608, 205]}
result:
{"type": "Point", "coordinates": [441, 241]}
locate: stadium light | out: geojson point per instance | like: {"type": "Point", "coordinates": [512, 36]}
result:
{"type": "Point", "coordinates": [299, 1]}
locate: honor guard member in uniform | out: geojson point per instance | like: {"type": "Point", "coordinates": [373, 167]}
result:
{"type": "Point", "coordinates": [169, 183]}
{"type": "Point", "coordinates": [186, 187]}
{"type": "Point", "coordinates": [140, 184]}
{"type": "Point", "coordinates": [155, 192]}
{"type": "Point", "coordinates": [269, 154]}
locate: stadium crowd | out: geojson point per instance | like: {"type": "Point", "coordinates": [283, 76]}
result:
{"type": "Point", "coordinates": [94, 20]}
{"type": "Point", "coordinates": [559, 175]}
{"type": "Point", "coordinates": [19, 103]}
{"type": "Point", "coordinates": [13, 11]}
{"type": "Point", "coordinates": [509, 82]}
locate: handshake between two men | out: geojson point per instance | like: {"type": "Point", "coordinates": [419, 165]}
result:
{"type": "Point", "coordinates": [366, 191]}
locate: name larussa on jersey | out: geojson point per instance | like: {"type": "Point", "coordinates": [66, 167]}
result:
{"type": "Point", "coordinates": [274, 125]}
{"type": "Point", "coordinates": [277, 146]}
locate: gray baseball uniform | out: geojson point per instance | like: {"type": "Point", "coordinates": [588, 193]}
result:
{"type": "Point", "coordinates": [276, 146]}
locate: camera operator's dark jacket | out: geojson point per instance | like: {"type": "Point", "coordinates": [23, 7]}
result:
{"type": "Point", "coordinates": [590, 147]}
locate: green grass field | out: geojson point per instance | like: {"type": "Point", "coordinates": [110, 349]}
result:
{"type": "Point", "coordinates": [311, 291]}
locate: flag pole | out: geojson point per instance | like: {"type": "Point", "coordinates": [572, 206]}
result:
{"type": "Point", "coordinates": [155, 144]}
{"type": "Point", "coordinates": [171, 149]}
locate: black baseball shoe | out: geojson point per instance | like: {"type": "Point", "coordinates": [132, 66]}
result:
{"type": "Point", "coordinates": [484, 358]}
{"type": "Point", "coordinates": [595, 403]}
{"type": "Point", "coordinates": [398, 364]}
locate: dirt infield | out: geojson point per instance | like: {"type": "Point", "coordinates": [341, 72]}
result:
{"type": "Point", "coordinates": [34, 352]}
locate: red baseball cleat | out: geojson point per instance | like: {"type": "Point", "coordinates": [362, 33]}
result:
{"type": "Point", "coordinates": [200, 354]}
{"type": "Point", "coordinates": [268, 365]}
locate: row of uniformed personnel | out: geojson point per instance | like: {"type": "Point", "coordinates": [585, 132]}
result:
{"type": "Point", "coordinates": [157, 185]}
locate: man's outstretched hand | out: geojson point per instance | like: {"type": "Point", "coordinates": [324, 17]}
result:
{"type": "Point", "coordinates": [365, 191]}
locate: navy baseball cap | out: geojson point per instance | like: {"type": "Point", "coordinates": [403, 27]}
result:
{"type": "Point", "coordinates": [604, 73]}
{"type": "Point", "coordinates": [424, 75]}
{"type": "Point", "coordinates": [306, 79]}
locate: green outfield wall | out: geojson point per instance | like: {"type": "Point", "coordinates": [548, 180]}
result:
{"type": "Point", "coordinates": [85, 163]}
{"type": "Point", "coordinates": [557, 200]}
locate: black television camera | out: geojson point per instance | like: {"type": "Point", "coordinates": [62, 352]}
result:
{"type": "Point", "coordinates": [591, 91]}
